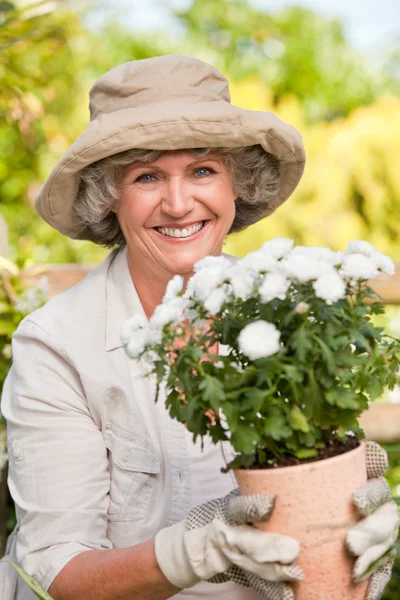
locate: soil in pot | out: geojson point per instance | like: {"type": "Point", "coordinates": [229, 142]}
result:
{"type": "Point", "coordinates": [313, 503]}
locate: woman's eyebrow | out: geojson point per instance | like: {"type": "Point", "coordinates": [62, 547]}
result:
{"type": "Point", "coordinates": [194, 162]}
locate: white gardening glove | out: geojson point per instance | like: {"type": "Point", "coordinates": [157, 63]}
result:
{"type": "Point", "coordinates": [216, 544]}
{"type": "Point", "coordinates": [372, 539]}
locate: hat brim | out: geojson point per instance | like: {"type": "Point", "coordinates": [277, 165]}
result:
{"type": "Point", "coordinates": [168, 126]}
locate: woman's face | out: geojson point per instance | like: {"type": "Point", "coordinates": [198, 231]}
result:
{"type": "Point", "coordinates": [175, 211]}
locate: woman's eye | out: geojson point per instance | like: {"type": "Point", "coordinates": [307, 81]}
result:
{"type": "Point", "coordinates": [146, 177]}
{"type": "Point", "coordinates": [204, 171]}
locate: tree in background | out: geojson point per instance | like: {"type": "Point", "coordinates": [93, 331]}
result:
{"type": "Point", "coordinates": [293, 62]}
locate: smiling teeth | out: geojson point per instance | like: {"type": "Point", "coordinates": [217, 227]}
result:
{"type": "Point", "coordinates": [181, 233]}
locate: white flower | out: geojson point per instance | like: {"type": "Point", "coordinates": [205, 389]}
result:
{"type": "Point", "coordinates": [212, 261]}
{"type": "Point", "coordinates": [360, 247]}
{"type": "Point", "coordinates": [330, 287]}
{"type": "Point", "coordinates": [174, 286]}
{"type": "Point", "coordinates": [259, 339]}
{"type": "Point", "coordinates": [258, 261]}
{"type": "Point", "coordinates": [215, 300]}
{"type": "Point", "coordinates": [242, 281]}
{"type": "Point", "coordinates": [383, 263]}
{"type": "Point", "coordinates": [358, 266]}
{"type": "Point", "coordinates": [274, 285]}
{"type": "Point", "coordinates": [205, 281]}
{"type": "Point", "coordinates": [302, 268]}
{"type": "Point", "coordinates": [302, 307]}
{"type": "Point", "coordinates": [138, 342]}
{"type": "Point", "coordinates": [278, 247]}
{"type": "Point", "coordinates": [316, 253]}
{"type": "Point", "coordinates": [130, 327]}
{"type": "Point", "coordinates": [169, 312]}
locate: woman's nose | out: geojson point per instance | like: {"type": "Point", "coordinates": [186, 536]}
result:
{"type": "Point", "coordinates": [177, 200]}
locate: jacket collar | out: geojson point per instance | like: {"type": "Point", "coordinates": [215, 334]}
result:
{"type": "Point", "coordinates": [122, 300]}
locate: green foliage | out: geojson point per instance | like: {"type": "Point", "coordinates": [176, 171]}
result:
{"type": "Point", "coordinates": [292, 51]}
{"type": "Point", "coordinates": [16, 301]}
{"type": "Point", "coordinates": [332, 361]}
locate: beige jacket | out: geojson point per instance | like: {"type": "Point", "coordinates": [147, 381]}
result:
{"type": "Point", "coordinates": [117, 470]}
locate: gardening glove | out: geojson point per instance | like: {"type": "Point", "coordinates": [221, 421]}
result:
{"type": "Point", "coordinates": [372, 539]}
{"type": "Point", "coordinates": [216, 544]}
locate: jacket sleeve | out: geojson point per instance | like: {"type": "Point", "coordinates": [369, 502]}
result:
{"type": "Point", "coordinates": [58, 466]}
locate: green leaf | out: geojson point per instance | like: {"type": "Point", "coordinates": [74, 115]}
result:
{"type": "Point", "coordinates": [301, 343]}
{"type": "Point", "coordinates": [244, 439]}
{"type": "Point", "coordinates": [212, 391]}
{"type": "Point", "coordinates": [276, 427]}
{"type": "Point", "coordinates": [375, 388]}
{"type": "Point", "coordinates": [253, 401]}
{"type": "Point", "coordinates": [328, 356]}
{"type": "Point", "coordinates": [293, 373]}
{"type": "Point", "coordinates": [32, 583]}
{"type": "Point", "coordinates": [298, 421]}
{"type": "Point", "coordinates": [231, 412]}
{"type": "Point", "coordinates": [305, 453]}
{"type": "Point", "coordinates": [343, 398]}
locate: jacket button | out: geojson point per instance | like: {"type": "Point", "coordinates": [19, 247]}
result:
{"type": "Point", "coordinates": [16, 450]}
{"type": "Point", "coordinates": [126, 455]}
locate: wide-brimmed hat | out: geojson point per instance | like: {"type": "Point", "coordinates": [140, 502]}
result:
{"type": "Point", "coordinates": [167, 102]}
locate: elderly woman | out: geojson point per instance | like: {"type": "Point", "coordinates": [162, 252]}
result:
{"type": "Point", "coordinates": [114, 500]}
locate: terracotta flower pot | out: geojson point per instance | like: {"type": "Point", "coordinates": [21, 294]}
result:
{"type": "Point", "coordinates": [314, 505]}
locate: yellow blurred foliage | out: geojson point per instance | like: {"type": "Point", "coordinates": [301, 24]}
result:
{"type": "Point", "coordinates": [351, 184]}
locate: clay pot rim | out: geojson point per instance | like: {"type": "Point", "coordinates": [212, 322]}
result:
{"type": "Point", "coordinates": [317, 464]}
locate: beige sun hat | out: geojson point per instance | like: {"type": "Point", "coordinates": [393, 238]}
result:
{"type": "Point", "coordinates": [167, 102]}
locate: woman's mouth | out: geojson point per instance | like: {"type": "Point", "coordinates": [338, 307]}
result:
{"type": "Point", "coordinates": [180, 233]}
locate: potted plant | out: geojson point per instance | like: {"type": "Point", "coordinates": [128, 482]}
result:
{"type": "Point", "coordinates": [278, 355]}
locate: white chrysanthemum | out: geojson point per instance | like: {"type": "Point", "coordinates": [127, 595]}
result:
{"type": "Point", "coordinates": [278, 247]}
{"type": "Point", "coordinates": [205, 281]}
{"type": "Point", "coordinates": [302, 307]}
{"type": "Point", "coordinates": [215, 300]}
{"type": "Point", "coordinates": [170, 312]}
{"type": "Point", "coordinates": [383, 262]}
{"type": "Point", "coordinates": [130, 327]}
{"type": "Point", "coordinates": [360, 247]}
{"type": "Point", "coordinates": [274, 285]}
{"type": "Point", "coordinates": [258, 261]}
{"type": "Point", "coordinates": [173, 288]}
{"type": "Point", "coordinates": [316, 253]}
{"type": "Point", "coordinates": [138, 342]}
{"type": "Point", "coordinates": [242, 281]}
{"type": "Point", "coordinates": [212, 261]}
{"type": "Point", "coordinates": [302, 268]}
{"type": "Point", "coordinates": [358, 266]}
{"type": "Point", "coordinates": [259, 339]}
{"type": "Point", "coordinates": [330, 287]}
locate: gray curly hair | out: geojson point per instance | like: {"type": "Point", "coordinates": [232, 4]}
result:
{"type": "Point", "coordinates": [255, 178]}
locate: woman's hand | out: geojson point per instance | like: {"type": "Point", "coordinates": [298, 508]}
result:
{"type": "Point", "coordinates": [372, 539]}
{"type": "Point", "coordinates": [216, 544]}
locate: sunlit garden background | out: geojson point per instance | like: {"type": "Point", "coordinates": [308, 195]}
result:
{"type": "Point", "coordinates": [295, 60]}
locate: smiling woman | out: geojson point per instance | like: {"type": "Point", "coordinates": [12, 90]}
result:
{"type": "Point", "coordinates": [106, 484]}
{"type": "Point", "coordinates": [172, 208]}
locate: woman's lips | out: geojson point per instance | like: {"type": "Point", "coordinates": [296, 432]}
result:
{"type": "Point", "coordinates": [189, 238]}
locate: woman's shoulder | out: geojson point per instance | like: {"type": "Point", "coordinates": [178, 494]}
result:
{"type": "Point", "coordinates": [85, 298]}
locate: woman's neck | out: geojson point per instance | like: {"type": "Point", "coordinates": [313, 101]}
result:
{"type": "Point", "coordinates": [150, 286]}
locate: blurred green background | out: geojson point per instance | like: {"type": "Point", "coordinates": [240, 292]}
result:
{"type": "Point", "coordinates": [336, 80]}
